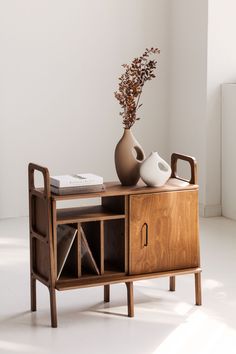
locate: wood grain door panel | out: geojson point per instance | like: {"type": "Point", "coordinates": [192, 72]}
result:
{"type": "Point", "coordinates": [163, 231]}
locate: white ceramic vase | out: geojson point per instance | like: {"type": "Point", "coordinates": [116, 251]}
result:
{"type": "Point", "coordinates": [155, 171]}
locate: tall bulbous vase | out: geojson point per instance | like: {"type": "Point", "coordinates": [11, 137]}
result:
{"type": "Point", "coordinates": [128, 157]}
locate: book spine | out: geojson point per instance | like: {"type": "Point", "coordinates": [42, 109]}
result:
{"type": "Point", "coordinates": [54, 182]}
{"type": "Point", "coordinates": [75, 190]}
{"type": "Point", "coordinates": [59, 184]}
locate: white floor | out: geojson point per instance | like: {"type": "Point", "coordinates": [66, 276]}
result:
{"type": "Point", "coordinates": [164, 322]}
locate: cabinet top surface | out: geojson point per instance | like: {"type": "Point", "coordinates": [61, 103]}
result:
{"type": "Point", "coordinates": [115, 189]}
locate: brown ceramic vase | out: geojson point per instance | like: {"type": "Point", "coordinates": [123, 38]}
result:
{"type": "Point", "coordinates": [128, 157]}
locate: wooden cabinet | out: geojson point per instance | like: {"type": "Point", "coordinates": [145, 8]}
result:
{"type": "Point", "coordinates": [163, 231]}
{"type": "Point", "coordinates": [134, 233]}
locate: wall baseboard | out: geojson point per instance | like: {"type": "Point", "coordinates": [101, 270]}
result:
{"type": "Point", "coordinates": [208, 211]}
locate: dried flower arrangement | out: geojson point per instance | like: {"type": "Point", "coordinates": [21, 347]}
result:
{"type": "Point", "coordinates": [131, 85]}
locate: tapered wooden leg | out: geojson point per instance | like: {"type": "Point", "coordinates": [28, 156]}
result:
{"type": "Point", "coordinates": [53, 307]}
{"type": "Point", "coordinates": [107, 293]}
{"type": "Point", "coordinates": [172, 283]}
{"type": "Point", "coordinates": [130, 298]}
{"type": "Point", "coordinates": [33, 293]}
{"type": "Point", "coordinates": [198, 290]}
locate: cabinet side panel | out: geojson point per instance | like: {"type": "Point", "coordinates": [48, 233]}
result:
{"type": "Point", "coordinates": [39, 216]}
{"type": "Point", "coordinates": [41, 264]}
{"type": "Point", "coordinates": [39, 224]}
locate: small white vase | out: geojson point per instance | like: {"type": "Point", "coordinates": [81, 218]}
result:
{"type": "Point", "coordinates": [155, 171]}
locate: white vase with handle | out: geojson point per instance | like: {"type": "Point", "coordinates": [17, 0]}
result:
{"type": "Point", "coordinates": [155, 171]}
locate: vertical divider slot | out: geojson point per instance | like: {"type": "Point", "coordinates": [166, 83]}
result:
{"type": "Point", "coordinates": [79, 250]}
{"type": "Point", "coordinates": [67, 251]}
{"type": "Point", "coordinates": [102, 247]}
{"type": "Point", "coordinates": [90, 248]}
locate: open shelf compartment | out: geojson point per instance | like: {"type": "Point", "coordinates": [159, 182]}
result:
{"type": "Point", "coordinates": [114, 246]}
{"type": "Point", "coordinates": [83, 214]}
{"type": "Point", "coordinates": [98, 248]}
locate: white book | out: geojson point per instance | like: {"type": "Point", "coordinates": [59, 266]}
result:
{"type": "Point", "coordinates": [77, 180]}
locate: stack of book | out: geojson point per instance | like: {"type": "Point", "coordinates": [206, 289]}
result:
{"type": "Point", "coordinates": [78, 183]}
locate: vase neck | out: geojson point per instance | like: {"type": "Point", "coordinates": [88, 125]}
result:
{"type": "Point", "coordinates": [127, 131]}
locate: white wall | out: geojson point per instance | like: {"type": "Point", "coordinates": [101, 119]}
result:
{"type": "Point", "coordinates": [188, 75]}
{"type": "Point", "coordinates": [228, 150]}
{"type": "Point", "coordinates": [59, 66]}
{"type": "Point", "coordinates": [203, 56]}
{"type": "Point", "coordinates": [221, 68]}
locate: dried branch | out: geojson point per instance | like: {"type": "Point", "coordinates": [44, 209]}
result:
{"type": "Point", "coordinates": [131, 85]}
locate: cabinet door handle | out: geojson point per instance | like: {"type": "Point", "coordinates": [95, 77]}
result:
{"type": "Point", "coordinates": [146, 234]}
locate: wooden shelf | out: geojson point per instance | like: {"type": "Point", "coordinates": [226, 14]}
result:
{"type": "Point", "coordinates": [84, 214]}
{"type": "Point", "coordinates": [88, 277]}
{"type": "Point", "coordinates": [114, 278]}
{"type": "Point", "coordinates": [115, 189]}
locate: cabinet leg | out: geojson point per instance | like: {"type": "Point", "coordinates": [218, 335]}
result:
{"type": "Point", "coordinates": [130, 298]}
{"type": "Point", "coordinates": [172, 283]}
{"type": "Point", "coordinates": [107, 293]}
{"type": "Point", "coordinates": [53, 307]}
{"type": "Point", "coordinates": [198, 291]}
{"type": "Point", "coordinates": [33, 293]}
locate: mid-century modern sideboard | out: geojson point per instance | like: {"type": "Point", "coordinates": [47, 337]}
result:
{"type": "Point", "coordinates": [135, 233]}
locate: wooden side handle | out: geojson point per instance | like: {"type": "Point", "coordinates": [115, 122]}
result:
{"type": "Point", "coordinates": [193, 165]}
{"type": "Point", "coordinates": [46, 177]}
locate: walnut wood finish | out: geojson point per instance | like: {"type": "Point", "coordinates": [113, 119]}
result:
{"type": "Point", "coordinates": [198, 292]}
{"type": "Point", "coordinates": [94, 236]}
{"type": "Point", "coordinates": [102, 246]}
{"type": "Point", "coordinates": [193, 180]}
{"type": "Point", "coordinates": [53, 307]}
{"type": "Point", "coordinates": [82, 214]}
{"type": "Point", "coordinates": [115, 204]}
{"type": "Point", "coordinates": [107, 293]}
{"type": "Point", "coordinates": [118, 205]}
{"type": "Point", "coordinates": [116, 189]}
{"type": "Point", "coordinates": [193, 165]}
{"type": "Point", "coordinates": [79, 245]}
{"type": "Point", "coordinates": [114, 245]}
{"type": "Point", "coordinates": [130, 297]}
{"type": "Point", "coordinates": [172, 283]}
{"type": "Point", "coordinates": [88, 282]}
{"type": "Point", "coordinates": [42, 262]}
{"type": "Point", "coordinates": [164, 232]}
{"type": "Point", "coordinates": [33, 293]}
{"type": "Point", "coordinates": [136, 233]}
